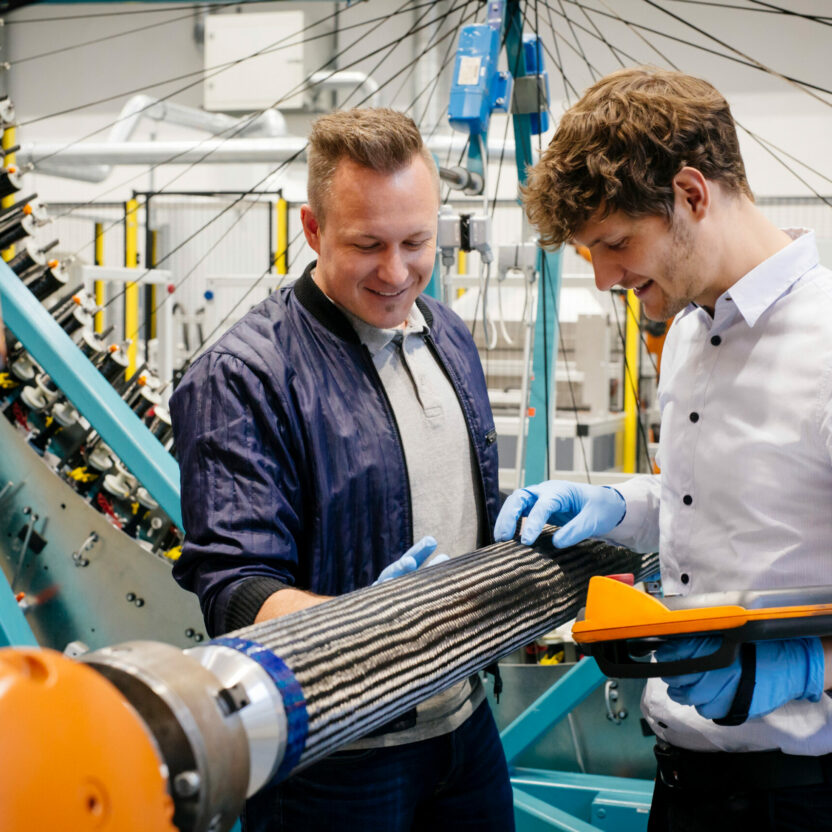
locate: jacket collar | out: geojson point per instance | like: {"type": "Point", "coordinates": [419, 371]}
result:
{"type": "Point", "coordinates": [318, 305]}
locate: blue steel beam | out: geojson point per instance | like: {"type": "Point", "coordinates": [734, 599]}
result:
{"type": "Point", "coordinates": [90, 392]}
{"type": "Point", "coordinates": [535, 815]}
{"type": "Point", "coordinates": [550, 707]}
{"type": "Point", "coordinates": [541, 392]}
{"type": "Point", "coordinates": [14, 629]}
{"type": "Point", "coordinates": [568, 800]}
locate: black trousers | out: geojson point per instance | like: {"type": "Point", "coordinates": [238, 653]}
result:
{"type": "Point", "coordinates": [760, 791]}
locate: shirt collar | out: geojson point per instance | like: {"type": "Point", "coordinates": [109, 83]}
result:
{"type": "Point", "coordinates": [756, 291]}
{"type": "Point", "coordinates": [376, 339]}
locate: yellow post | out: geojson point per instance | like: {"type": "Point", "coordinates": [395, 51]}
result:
{"type": "Point", "coordinates": [631, 351]}
{"type": "Point", "coordinates": [461, 268]}
{"type": "Point", "coordinates": [282, 222]}
{"type": "Point", "coordinates": [7, 141]}
{"type": "Point", "coordinates": [151, 264]}
{"type": "Point", "coordinates": [131, 290]}
{"type": "Point", "coordinates": [98, 286]}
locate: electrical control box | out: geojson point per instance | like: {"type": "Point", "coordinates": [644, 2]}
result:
{"type": "Point", "coordinates": [270, 69]}
{"type": "Point", "coordinates": [478, 88]}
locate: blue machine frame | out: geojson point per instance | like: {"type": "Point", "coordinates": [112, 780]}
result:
{"type": "Point", "coordinates": [544, 800]}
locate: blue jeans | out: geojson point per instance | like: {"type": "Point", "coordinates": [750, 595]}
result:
{"type": "Point", "coordinates": [455, 782]}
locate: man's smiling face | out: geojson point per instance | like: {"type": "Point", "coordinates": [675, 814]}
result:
{"type": "Point", "coordinates": [377, 242]}
{"type": "Point", "coordinates": [654, 258]}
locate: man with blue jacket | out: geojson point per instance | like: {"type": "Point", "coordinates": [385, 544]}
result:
{"type": "Point", "coordinates": [339, 421]}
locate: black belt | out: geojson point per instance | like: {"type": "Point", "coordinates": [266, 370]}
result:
{"type": "Point", "coordinates": [727, 772]}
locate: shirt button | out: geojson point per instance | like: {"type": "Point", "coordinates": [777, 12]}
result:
{"type": "Point", "coordinates": [694, 417]}
{"type": "Point", "coordinates": [716, 340]}
{"type": "Point", "coordinates": [687, 499]}
{"type": "Point", "coordinates": [684, 578]}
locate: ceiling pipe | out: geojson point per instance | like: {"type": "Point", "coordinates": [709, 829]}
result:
{"type": "Point", "coordinates": [340, 79]}
{"type": "Point", "coordinates": [76, 161]}
{"type": "Point", "coordinates": [95, 161]}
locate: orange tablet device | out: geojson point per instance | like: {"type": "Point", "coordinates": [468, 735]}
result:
{"type": "Point", "coordinates": [622, 626]}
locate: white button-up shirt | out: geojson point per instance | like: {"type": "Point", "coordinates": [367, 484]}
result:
{"type": "Point", "coordinates": [744, 500]}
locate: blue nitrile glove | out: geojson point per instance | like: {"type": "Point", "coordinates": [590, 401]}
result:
{"type": "Point", "coordinates": [411, 560]}
{"type": "Point", "coordinates": [786, 670]}
{"type": "Point", "coordinates": [581, 510]}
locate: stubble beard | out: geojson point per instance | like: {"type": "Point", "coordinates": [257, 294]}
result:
{"type": "Point", "coordinates": [678, 274]}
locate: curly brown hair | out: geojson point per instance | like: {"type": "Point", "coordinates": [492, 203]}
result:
{"type": "Point", "coordinates": [378, 138]}
{"type": "Point", "coordinates": [621, 145]}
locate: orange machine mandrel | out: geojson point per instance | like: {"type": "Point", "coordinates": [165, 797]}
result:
{"type": "Point", "coordinates": [83, 759]}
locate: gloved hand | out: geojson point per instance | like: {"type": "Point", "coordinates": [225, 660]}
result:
{"type": "Point", "coordinates": [411, 560]}
{"type": "Point", "coordinates": [786, 670]}
{"type": "Point", "coordinates": [581, 510]}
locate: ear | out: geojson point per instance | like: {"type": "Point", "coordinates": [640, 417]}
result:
{"type": "Point", "coordinates": [311, 228]}
{"type": "Point", "coordinates": [692, 193]}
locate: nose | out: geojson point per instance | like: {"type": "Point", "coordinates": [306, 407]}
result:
{"type": "Point", "coordinates": [607, 272]}
{"type": "Point", "coordinates": [393, 269]}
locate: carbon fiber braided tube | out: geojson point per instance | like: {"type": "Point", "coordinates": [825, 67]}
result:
{"type": "Point", "coordinates": [364, 658]}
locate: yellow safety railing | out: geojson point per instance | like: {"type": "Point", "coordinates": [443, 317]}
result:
{"type": "Point", "coordinates": [8, 140]}
{"type": "Point", "coordinates": [631, 378]}
{"type": "Point", "coordinates": [131, 289]}
{"type": "Point", "coordinates": [282, 236]}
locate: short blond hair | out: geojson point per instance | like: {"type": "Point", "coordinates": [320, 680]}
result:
{"type": "Point", "coordinates": [378, 138]}
{"type": "Point", "coordinates": [621, 145]}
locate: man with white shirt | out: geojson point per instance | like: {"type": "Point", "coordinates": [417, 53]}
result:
{"type": "Point", "coordinates": [645, 171]}
{"type": "Point", "coordinates": [342, 419]}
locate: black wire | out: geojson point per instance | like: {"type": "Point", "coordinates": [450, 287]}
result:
{"type": "Point", "coordinates": [193, 7]}
{"type": "Point", "coordinates": [277, 46]}
{"type": "Point", "coordinates": [446, 59]}
{"type": "Point", "coordinates": [772, 9]}
{"type": "Point", "coordinates": [700, 47]}
{"type": "Point", "coordinates": [614, 51]}
{"type": "Point", "coordinates": [251, 203]}
{"type": "Point", "coordinates": [207, 338]}
{"type": "Point", "coordinates": [412, 70]}
{"type": "Point", "coordinates": [793, 158]}
{"type": "Point", "coordinates": [242, 125]}
{"type": "Point", "coordinates": [247, 193]}
{"type": "Point", "coordinates": [239, 218]}
{"type": "Point", "coordinates": [589, 66]}
{"type": "Point", "coordinates": [239, 128]}
{"type": "Point", "coordinates": [803, 85]}
{"type": "Point", "coordinates": [549, 112]}
{"type": "Point", "coordinates": [558, 60]}
{"type": "Point", "coordinates": [634, 30]}
{"type": "Point", "coordinates": [110, 37]}
{"type": "Point", "coordinates": [763, 143]}
{"type": "Point", "coordinates": [243, 195]}
{"type": "Point", "coordinates": [392, 47]}
{"type": "Point", "coordinates": [556, 35]}
{"type": "Point", "coordinates": [555, 299]}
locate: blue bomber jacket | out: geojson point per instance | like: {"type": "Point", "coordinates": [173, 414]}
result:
{"type": "Point", "coordinates": [292, 467]}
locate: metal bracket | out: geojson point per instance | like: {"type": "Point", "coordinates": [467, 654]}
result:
{"type": "Point", "coordinates": [614, 713]}
{"type": "Point", "coordinates": [78, 557]}
{"type": "Point", "coordinates": [30, 527]}
{"type": "Point", "coordinates": [529, 95]}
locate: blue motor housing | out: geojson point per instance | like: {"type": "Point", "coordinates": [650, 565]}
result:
{"type": "Point", "coordinates": [533, 59]}
{"type": "Point", "coordinates": [478, 88]}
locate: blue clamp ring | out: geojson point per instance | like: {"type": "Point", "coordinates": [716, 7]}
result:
{"type": "Point", "coordinates": [294, 702]}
